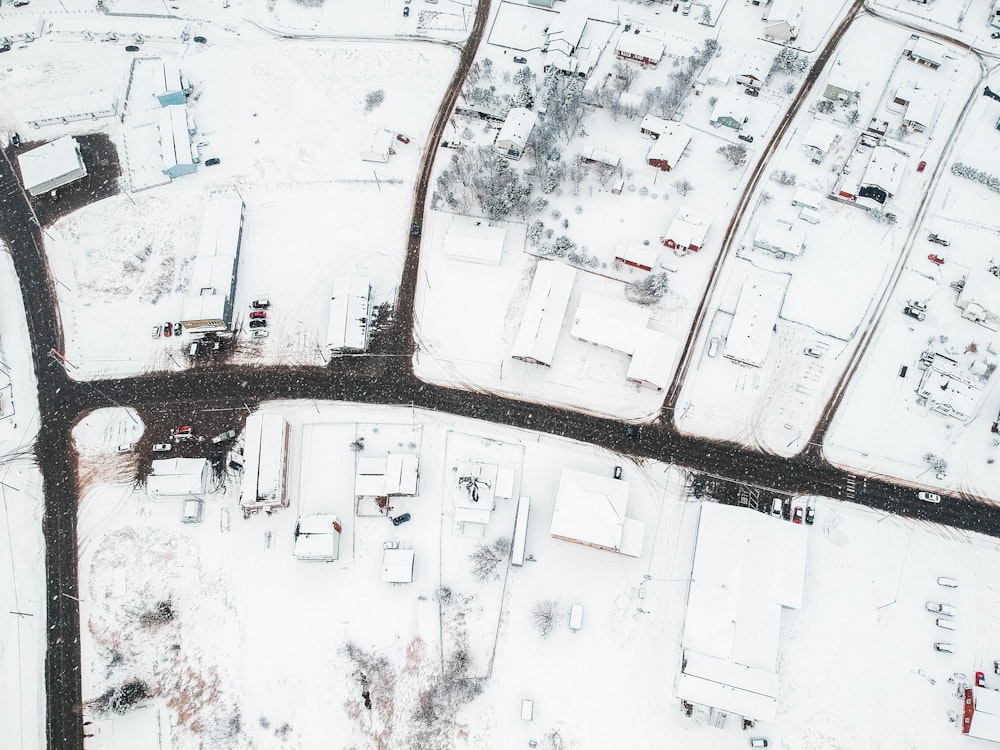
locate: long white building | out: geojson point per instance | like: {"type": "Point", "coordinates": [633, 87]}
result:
{"type": "Point", "coordinates": [265, 463]}
{"type": "Point", "coordinates": [350, 315]}
{"type": "Point", "coordinates": [208, 308]}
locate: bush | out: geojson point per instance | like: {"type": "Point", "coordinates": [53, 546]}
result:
{"type": "Point", "coordinates": [648, 291]}
{"type": "Point", "coordinates": [374, 99]}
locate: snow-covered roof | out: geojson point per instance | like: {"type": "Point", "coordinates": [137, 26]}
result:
{"type": "Point", "coordinates": [177, 477]}
{"type": "Point", "coordinates": [638, 255]}
{"type": "Point", "coordinates": [605, 321]}
{"type": "Point", "coordinates": [544, 310]}
{"type": "Point", "coordinates": [392, 475]}
{"type": "Point", "coordinates": [630, 100]}
{"type": "Point", "coordinates": [264, 460]}
{"type": "Point", "coordinates": [590, 508]}
{"type": "Point", "coordinates": [981, 288]}
{"type": "Point", "coordinates": [80, 106]}
{"type": "Point", "coordinates": [985, 723]}
{"type": "Point", "coordinates": [350, 309]}
{"type": "Point", "coordinates": [56, 161]}
{"type": "Point", "coordinates": [784, 10]}
{"type": "Point", "coordinates": [653, 359]}
{"type": "Point", "coordinates": [753, 322]}
{"type": "Point", "coordinates": [197, 310]}
{"type": "Point", "coordinates": [671, 144]}
{"type": "Point", "coordinates": [317, 537]}
{"type": "Point", "coordinates": [756, 64]}
{"type": "Point", "coordinates": [166, 78]}
{"type": "Point", "coordinates": [376, 146]}
{"type": "Point", "coordinates": [689, 228]}
{"type": "Point", "coordinates": [844, 78]}
{"type": "Point", "coordinates": [821, 135]}
{"type": "Point", "coordinates": [221, 226]}
{"type": "Point", "coordinates": [885, 169]}
{"type": "Point", "coordinates": [921, 106]}
{"type": "Point", "coordinates": [397, 565]}
{"type": "Point", "coordinates": [601, 157]}
{"type": "Point", "coordinates": [637, 45]}
{"type": "Point", "coordinates": [477, 476]}
{"type": "Point", "coordinates": [729, 105]}
{"type": "Point", "coordinates": [779, 239]}
{"type": "Point", "coordinates": [207, 303]}
{"type": "Point", "coordinates": [747, 567]}
{"type": "Point", "coordinates": [809, 198]}
{"type": "Point", "coordinates": [947, 389]}
{"type": "Point", "coordinates": [654, 124]}
{"type": "Point", "coordinates": [176, 149]}
{"type": "Point", "coordinates": [517, 127]}
{"type": "Point", "coordinates": [927, 50]}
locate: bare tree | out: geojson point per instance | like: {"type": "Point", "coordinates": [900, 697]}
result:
{"type": "Point", "coordinates": [486, 559]}
{"type": "Point", "coordinates": [543, 616]}
{"type": "Point", "coordinates": [734, 153]}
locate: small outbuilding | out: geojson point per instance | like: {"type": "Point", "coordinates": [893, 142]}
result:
{"type": "Point", "coordinates": [515, 132]}
{"type": "Point", "coordinates": [474, 241]}
{"type": "Point", "coordinates": [51, 166]}
{"type": "Point", "coordinates": [317, 537]}
{"type": "Point", "coordinates": [179, 477]}
{"type": "Point", "coordinates": [642, 257]}
{"type": "Point", "coordinates": [607, 160]}
{"type": "Point", "coordinates": [377, 146]}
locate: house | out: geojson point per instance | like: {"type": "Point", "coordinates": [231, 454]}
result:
{"type": "Point", "coordinates": [944, 388]}
{"type": "Point", "coordinates": [544, 310]}
{"type": "Point", "coordinates": [179, 477]}
{"type": "Point", "coordinates": [687, 231]}
{"type": "Point", "coordinates": [389, 476]}
{"type": "Point", "coordinates": [780, 240]}
{"type": "Point", "coordinates": [811, 199]}
{"type": "Point", "coordinates": [995, 15]}
{"type": "Point", "coordinates": [668, 148]}
{"type": "Point", "coordinates": [590, 510]}
{"type": "Point", "coordinates": [754, 69]}
{"type": "Point", "coordinates": [654, 126]}
{"type": "Point", "coordinates": [630, 104]}
{"type": "Point", "coordinates": [474, 242]}
{"type": "Point", "coordinates": [377, 147]}
{"type": "Point", "coordinates": [980, 298]}
{"type": "Point", "coordinates": [93, 106]}
{"type": "Point", "coordinates": [602, 158]}
{"type": "Point", "coordinates": [919, 107]}
{"type": "Point", "coordinates": [397, 565]}
{"type": "Point", "coordinates": [640, 48]}
{"type": "Point", "coordinates": [515, 131]}
{"type": "Point", "coordinates": [883, 175]}
{"type": "Point", "coordinates": [208, 306]}
{"type": "Point", "coordinates": [612, 323]}
{"type": "Point", "coordinates": [981, 714]}
{"type": "Point", "coordinates": [317, 537]}
{"type": "Point", "coordinates": [729, 111]}
{"type": "Point", "coordinates": [51, 166]}
{"type": "Point", "coordinates": [924, 51]}
{"type": "Point", "coordinates": [842, 85]}
{"type": "Point", "coordinates": [565, 32]}
{"type": "Point", "coordinates": [168, 83]}
{"type": "Point", "coordinates": [474, 497]}
{"type": "Point", "coordinates": [782, 20]}
{"type": "Point", "coordinates": [820, 137]}
{"type": "Point", "coordinates": [653, 360]}
{"type": "Point", "coordinates": [749, 569]}
{"type": "Point", "coordinates": [265, 463]}
{"type": "Point", "coordinates": [636, 256]}
{"type": "Point", "coordinates": [177, 152]}
{"type": "Point", "coordinates": [754, 320]}
{"type": "Point", "coordinates": [350, 315]}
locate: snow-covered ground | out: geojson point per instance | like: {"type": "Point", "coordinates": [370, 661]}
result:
{"type": "Point", "coordinates": [256, 648]}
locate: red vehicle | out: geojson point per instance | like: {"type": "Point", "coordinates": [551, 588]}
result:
{"type": "Point", "coordinates": [936, 259]}
{"type": "Point", "coordinates": [168, 328]}
{"type": "Point", "coordinates": [980, 680]}
{"type": "Point", "coordinates": [402, 138]}
{"type": "Point", "coordinates": [185, 430]}
{"type": "Point", "coordinates": [258, 314]}
{"type": "Point", "coordinates": [922, 166]}
{"type": "Point", "coordinates": [797, 517]}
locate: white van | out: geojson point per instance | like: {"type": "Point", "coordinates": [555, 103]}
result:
{"type": "Point", "coordinates": [945, 624]}
{"type": "Point", "coordinates": [948, 583]}
{"type": "Point", "coordinates": [776, 507]}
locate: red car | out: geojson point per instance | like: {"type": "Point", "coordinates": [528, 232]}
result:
{"type": "Point", "coordinates": [797, 517]}
{"type": "Point", "coordinates": [258, 314]}
{"type": "Point", "coordinates": [186, 430]}
{"type": "Point", "coordinates": [980, 680]}
{"type": "Point", "coordinates": [168, 328]}
{"type": "Point", "coordinates": [936, 259]}
{"type": "Point", "coordinates": [402, 138]}
{"type": "Point", "coordinates": [922, 166]}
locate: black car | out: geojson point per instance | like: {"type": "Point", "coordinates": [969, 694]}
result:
{"type": "Point", "coordinates": [786, 509]}
{"type": "Point", "coordinates": [213, 161]}
{"type": "Point", "coordinates": [406, 12]}
{"type": "Point", "coordinates": [749, 91]}
{"type": "Point", "coordinates": [414, 230]}
{"type": "Point", "coordinates": [810, 514]}
{"type": "Point", "coordinates": [914, 313]}
{"type": "Point", "coordinates": [131, 47]}
{"type": "Point", "coordinates": [199, 40]}
{"type": "Point", "coordinates": [177, 329]}
{"type": "Point", "coordinates": [258, 323]}
{"type": "Point", "coordinates": [521, 60]}
{"type": "Point", "coordinates": [400, 519]}
{"type": "Point", "coordinates": [744, 136]}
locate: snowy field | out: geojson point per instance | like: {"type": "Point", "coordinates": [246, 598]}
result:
{"type": "Point", "coordinates": [448, 19]}
{"type": "Point", "coordinates": [256, 650]}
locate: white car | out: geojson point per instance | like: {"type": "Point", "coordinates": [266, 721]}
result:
{"type": "Point", "coordinates": [929, 497]}
{"type": "Point", "coordinates": [941, 609]}
{"type": "Point", "coordinates": [162, 447]}
{"type": "Point", "coordinates": [948, 583]}
{"type": "Point", "coordinates": [125, 448]}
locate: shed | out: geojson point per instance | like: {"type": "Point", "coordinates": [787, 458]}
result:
{"type": "Point", "coordinates": [51, 166]}
{"type": "Point", "coordinates": [544, 310]}
{"type": "Point", "coordinates": [520, 531]}
{"type": "Point", "coordinates": [636, 256]}
{"type": "Point", "coordinates": [643, 49]}
{"type": "Point", "coordinates": [754, 320]}
{"type": "Point", "coordinates": [601, 157]}
{"type": "Point", "coordinates": [612, 323]}
{"type": "Point", "coordinates": [687, 231]}
{"type": "Point", "coordinates": [666, 152]}
{"type": "Point", "coordinates": [397, 565]}
{"type": "Point", "coordinates": [515, 132]}
{"type": "Point", "coordinates": [590, 510]}
{"type": "Point", "coordinates": [377, 146]}
{"type": "Point", "coordinates": [179, 477]}
{"type": "Point", "coordinates": [819, 139]}
{"type": "Point", "coordinates": [350, 315]}
{"type": "Point", "coordinates": [474, 242]}
{"type": "Point", "coordinates": [652, 363]}
{"type": "Point", "coordinates": [729, 111]}
{"type": "Point", "coordinates": [177, 153]}
{"type": "Point", "coordinates": [754, 68]}
{"type": "Point", "coordinates": [317, 537]}
{"type": "Point", "coordinates": [779, 239]}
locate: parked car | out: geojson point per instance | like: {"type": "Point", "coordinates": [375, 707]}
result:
{"type": "Point", "coordinates": [758, 742]}
{"type": "Point", "coordinates": [751, 91]}
{"type": "Point", "coordinates": [916, 304]}
{"type": "Point", "coordinates": [929, 497]}
{"type": "Point", "coordinates": [193, 511]}
{"type": "Point", "coordinates": [177, 329]}
{"type": "Point", "coordinates": [402, 138]}
{"type": "Point", "coordinates": [948, 583]}
{"type": "Point", "coordinates": [414, 230]}
{"type": "Point", "coordinates": [406, 11]}
{"type": "Point", "coordinates": [258, 314]}
{"type": "Point", "coordinates": [776, 507]}
{"type": "Point", "coordinates": [524, 60]}
{"type": "Point", "coordinates": [125, 448]}
{"type": "Point", "coordinates": [168, 328]}
{"type": "Point", "coordinates": [199, 40]}
{"type": "Point", "coordinates": [261, 303]}
{"type": "Point", "coordinates": [944, 623]}
{"type": "Point", "coordinates": [799, 514]}
{"type": "Point", "coordinates": [131, 47]}
{"type": "Point", "coordinates": [213, 161]}
{"type": "Point", "coordinates": [944, 648]}
{"type": "Point", "coordinates": [20, 3]}
{"type": "Point", "coordinates": [156, 332]}
{"type": "Point", "coordinates": [942, 609]}
{"type": "Point", "coordinates": [260, 334]}
{"type": "Point", "coordinates": [223, 436]}
{"type": "Point", "coordinates": [686, 9]}
{"type": "Point", "coordinates": [183, 430]}
{"type": "Point", "coordinates": [617, 474]}
{"type": "Point", "coordinates": [258, 323]}
{"type": "Point", "coordinates": [713, 347]}
{"type": "Point", "coordinates": [786, 509]}
{"type": "Point", "coordinates": [745, 137]}
{"type": "Point", "coordinates": [914, 313]}
{"type": "Point", "coordinates": [162, 447]}
{"type": "Point", "coordinates": [922, 166]}
{"type": "Point", "coordinates": [995, 35]}
{"type": "Point", "coordinates": [980, 680]}
{"type": "Point", "coordinates": [932, 237]}
{"type": "Point", "coordinates": [811, 351]}
{"type": "Point", "coordinates": [401, 519]}
{"type": "Point", "coordinates": [936, 259]}
{"type": "Point", "coordinates": [810, 514]}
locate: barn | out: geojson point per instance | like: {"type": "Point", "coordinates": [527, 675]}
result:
{"type": "Point", "coordinates": [51, 166]}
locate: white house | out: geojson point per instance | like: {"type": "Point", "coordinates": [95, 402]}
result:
{"type": "Point", "coordinates": [754, 68]}
{"type": "Point", "coordinates": [749, 568]}
{"type": "Point", "coordinates": [730, 111]}
{"type": "Point", "coordinates": [51, 166]}
{"type": "Point", "coordinates": [612, 323]}
{"type": "Point", "coordinates": [640, 48]}
{"type": "Point", "coordinates": [377, 146]}
{"type": "Point", "coordinates": [780, 239]}
{"type": "Point", "coordinates": [980, 298]}
{"type": "Point", "coordinates": [652, 362]}
{"type": "Point", "coordinates": [177, 152]}
{"type": "Point", "coordinates": [515, 132]}
{"type": "Point", "coordinates": [919, 106]}
{"type": "Point", "coordinates": [265, 463]}
{"type": "Point", "coordinates": [179, 477]}
{"type": "Point", "coordinates": [883, 175]}
{"type": "Point", "coordinates": [565, 32]}
{"type": "Point", "coordinates": [946, 389]}
{"type": "Point", "coordinates": [590, 510]}
{"type": "Point", "coordinates": [754, 320]}
{"type": "Point", "coordinates": [687, 231]}
{"type": "Point", "coordinates": [208, 305]}
{"type": "Point", "coordinates": [350, 315]}
{"type": "Point", "coordinates": [819, 139]}
{"type": "Point", "coordinates": [842, 85]}
{"type": "Point", "coordinates": [317, 537]}
{"type": "Point", "coordinates": [782, 20]}
{"type": "Point", "coordinates": [474, 241]}
{"type": "Point", "coordinates": [544, 310]}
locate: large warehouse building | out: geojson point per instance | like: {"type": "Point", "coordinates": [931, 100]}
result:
{"type": "Point", "coordinates": [265, 463]}
{"type": "Point", "coordinates": [208, 308]}
{"type": "Point", "coordinates": [51, 166]}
